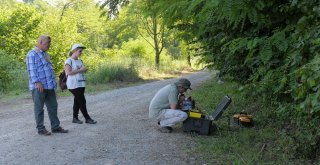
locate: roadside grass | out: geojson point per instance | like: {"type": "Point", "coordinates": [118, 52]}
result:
{"type": "Point", "coordinates": [264, 143]}
{"type": "Point", "coordinates": [107, 77]}
{"type": "Point", "coordinates": [103, 74]}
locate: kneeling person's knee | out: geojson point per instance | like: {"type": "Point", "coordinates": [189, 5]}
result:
{"type": "Point", "coordinates": [184, 115]}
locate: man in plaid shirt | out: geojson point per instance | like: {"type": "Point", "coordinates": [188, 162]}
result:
{"type": "Point", "coordinates": [42, 84]}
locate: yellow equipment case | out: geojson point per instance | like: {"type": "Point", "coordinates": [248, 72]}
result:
{"type": "Point", "coordinates": [201, 123]}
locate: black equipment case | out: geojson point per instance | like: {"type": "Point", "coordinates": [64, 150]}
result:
{"type": "Point", "coordinates": [201, 123]}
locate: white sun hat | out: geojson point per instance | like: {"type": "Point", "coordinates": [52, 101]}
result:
{"type": "Point", "coordinates": [75, 46]}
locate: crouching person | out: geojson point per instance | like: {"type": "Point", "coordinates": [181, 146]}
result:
{"type": "Point", "coordinates": [163, 105]}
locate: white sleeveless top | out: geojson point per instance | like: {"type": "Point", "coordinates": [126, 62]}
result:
{"type": "Point", "coordinates": [76, 80]}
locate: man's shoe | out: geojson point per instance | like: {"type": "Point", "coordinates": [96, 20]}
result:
{"type": "Point", "coordinates": [165, 129]}
{"type": "Point", "coordinates": [60, 130]}
{"type": "Point", "coordinates": [90, 121]}
{"type": "Point", "coordinates": [44, 132]}
{"type": "Point", "coordinates": [74, 120]}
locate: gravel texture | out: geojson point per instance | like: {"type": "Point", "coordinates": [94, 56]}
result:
{"type": "Point", "coordinates": [123, 134]}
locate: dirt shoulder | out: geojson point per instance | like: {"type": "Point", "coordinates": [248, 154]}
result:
{"type": "Point", "coordinates": [123, 135]}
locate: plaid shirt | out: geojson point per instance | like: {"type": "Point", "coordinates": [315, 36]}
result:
{"type": "Point", "coordinates": [40, 69]}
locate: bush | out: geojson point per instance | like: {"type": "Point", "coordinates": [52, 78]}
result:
{"type": "Point", "coordinates": [7, 67]}
{"type": "Point", "coordinates": [112, 72]}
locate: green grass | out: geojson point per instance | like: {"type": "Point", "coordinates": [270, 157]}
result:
{"type": "Point", "coordinates": [265, 143]}
{"type": "Point", "coordinates": [103, 74]}
{"type": "Point", "coordinates": [112, 72]}
{"type": "Point", "coordinates": [108, 77]}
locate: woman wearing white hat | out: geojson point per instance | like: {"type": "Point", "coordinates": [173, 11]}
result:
{"type": "Point", "coordinates": [75, 70]}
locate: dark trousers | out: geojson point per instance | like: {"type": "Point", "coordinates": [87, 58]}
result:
{"type": "Point", "coordinates": [48, 98]}
{"type": "Point", "coordinates": [79, 103]}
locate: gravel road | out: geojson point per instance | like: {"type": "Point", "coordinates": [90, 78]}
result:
{"type": "Point", "coordinates": [123, 135]}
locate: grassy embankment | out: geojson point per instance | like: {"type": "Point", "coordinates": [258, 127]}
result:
{"type": "Point", "coordinates": [105, 77]}
{"type": "Point", "coordinates": [265, 143]}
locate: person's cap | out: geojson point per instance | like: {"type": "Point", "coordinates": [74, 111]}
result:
{"type": "Point", "coordinates": [185, 83]}
{"type": "Point", "coordinates": [75, 46]}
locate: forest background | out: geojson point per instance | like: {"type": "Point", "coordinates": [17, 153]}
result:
{"type": "Point", "coordinates": [268, 50]}
{"type": "Point", "coordinates": [117, 49]}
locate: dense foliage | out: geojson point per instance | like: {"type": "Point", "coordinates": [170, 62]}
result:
{"type": "Point", "coordinates": [271, 47]}
{"type": "Point", "coordinates": [108, 41]}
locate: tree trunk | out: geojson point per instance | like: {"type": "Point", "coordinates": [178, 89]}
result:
{"type": "Point", "coordinates": [156, 42]}
{"type": "Point", "coordinates": [64, 9]}
{"type": "Point", "coordinates": [189, 60]}
{"type": "Point", "coordinates": [157, 59]}
{"type": "Point", "coordinates": [157, 35]}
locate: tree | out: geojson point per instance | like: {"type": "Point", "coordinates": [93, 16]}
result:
{"type": "Point", "coordinates": [121, 29]}
{"type": "Point", "coordinates": [151, 22]}
{"type": "Point", "coordinates": [17, 28]}
{"type": "Point", "coordinates": [111, 7]}
{"type": "Point", "coordinates": [155, 31]}
{"type": "Point", "coordinates": [150, 26]}
{"type": "Point", "coordinates": [257, 44]}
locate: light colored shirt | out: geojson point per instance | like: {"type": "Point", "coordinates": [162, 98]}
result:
{"type": "Point", "coordinates": [40, 69]}
{"type": "Point", "coordinates": [77, 80]}
{"type": "Point", "coordinates": [162, 100]}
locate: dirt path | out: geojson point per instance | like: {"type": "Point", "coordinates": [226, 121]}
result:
{"type": "Point", "coordinates": [123, 135]}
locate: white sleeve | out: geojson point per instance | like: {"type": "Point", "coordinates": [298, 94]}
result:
{"type": "Point", "coordinates": [69, 62]}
